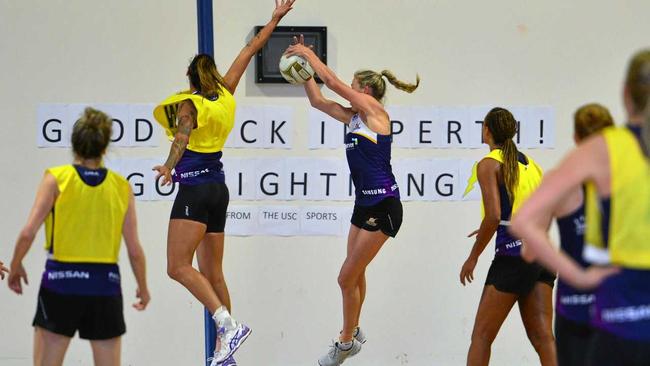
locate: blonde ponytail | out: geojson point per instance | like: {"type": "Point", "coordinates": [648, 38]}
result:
{"type": "Point", "coordinates": [409, 88]}
{"type": "Point", "coordinates": [377, 84]}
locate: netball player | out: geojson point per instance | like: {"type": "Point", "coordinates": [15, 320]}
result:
{"type": "Point", "coordinates": [506, 177]}
{"type": "Point", "coordinates": [87, 210]}
{"type": "Point", "coordinates": [614, 166]}
{"type": "Point", "coordinates": [572, 330]}
{"type": "Point", "coordinates": [199, 122]}
{"type": "Point", "coordinates": [377, 211]}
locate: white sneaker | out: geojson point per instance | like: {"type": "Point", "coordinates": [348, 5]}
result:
{"type": "Point", "coordinates": [231, 339]}
{"type": "Point", "coordinates": [336, 356]}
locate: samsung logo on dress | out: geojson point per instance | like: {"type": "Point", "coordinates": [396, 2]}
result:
{"type": "Point", "coordinates": [373, 192]}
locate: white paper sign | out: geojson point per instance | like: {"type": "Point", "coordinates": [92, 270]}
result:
{"type": "Point", "coordinates": [444, 127]}
{"type": "Point", "coordinates": [133, 124]}
{"type": "Point", "coordinates": [262, 127]}
{"type": "Point", "coordinates": [316, 179]}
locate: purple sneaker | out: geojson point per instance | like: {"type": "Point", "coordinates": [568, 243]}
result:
{"type": "Point", "coordinates": [230, 340]}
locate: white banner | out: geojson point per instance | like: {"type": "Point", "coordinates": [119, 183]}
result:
{"type": "Point", "coordinates": [308, 179]}
{"type": "Point", "coordinates": [262, 127]}
{"type": "Point", "coordinates": [288, 220]}
{"type": "Point", "coordinates": [142, 178]}
{"type": "Point", "coordinates": [442, 127]}
{"type": "Point", "coordinates": [133, 124]}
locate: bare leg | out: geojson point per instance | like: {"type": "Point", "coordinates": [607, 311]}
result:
{"type": "Point", "coordinates": [492, 311]}
{"type": "Point", "coordinates": [365, 249]}
{"type": "Point", "coordinates": [183, 238]}
{"type": "Point", "coordinates": [54, 347]}
{"type": "Point", "coordinates": [210, 258]}
{"type": "Point", "coordinates": [107, 352]}
{"type": "Point", "coordinates": [537, 314]}
{"type": "Point", "coordinates": [38, 346]}
{"type": "Point", "coordinates": [361, 284]}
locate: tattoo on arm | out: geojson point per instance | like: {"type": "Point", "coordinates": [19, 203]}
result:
{"type": "Point", "coordinates": [186, 122]}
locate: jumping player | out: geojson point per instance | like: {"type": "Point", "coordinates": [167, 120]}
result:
{"type": "Point", "coordinates": [377, 211]}
{"type": "Point", "coordinates": [199, 122]}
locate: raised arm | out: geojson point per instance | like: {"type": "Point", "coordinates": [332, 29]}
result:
{"type": "Point", "coordinates": [136, 254]}
{"type": "Point", "coordinates": [186, 121]}
{"type": "Point", "coordinates": [318, 101]}
{"type": "Point", "coordinates": [361, 101]}
{"type": "Point", "coordinates": [45, 197]}
{"type": "Point", "coordinates": [487, 171]}
{"type": "Point", "coordinates": [234, 74]}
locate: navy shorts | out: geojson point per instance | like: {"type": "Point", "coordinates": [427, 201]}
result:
{"type": "Point", "coordinates": [514, 275]}
{"type": "Point", "coordinates": [206, 203]}
{"type": "Point", "coordinates": [385, 216]}
{"type": "Point", "coordinates": [95, 317]}
{"type": "Point", "coordinates": [608, 350]}
{"type": "Point", "coordinates": [572, 340]}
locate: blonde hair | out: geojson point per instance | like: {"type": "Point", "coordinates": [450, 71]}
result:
{"type": "Point", "coordinates": [377, 84]}
{"type": "Point", "coordinates": [591, 118]}
{"type": "Point", "coordinates": [204, 76]}
{"type": "Point", "coordinates": [91, 134]}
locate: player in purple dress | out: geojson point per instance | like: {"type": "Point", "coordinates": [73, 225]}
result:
{"type": "Point", "coordinates": [377, 211]}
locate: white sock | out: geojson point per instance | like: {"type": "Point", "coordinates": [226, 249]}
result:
{"type": "Point", "coordinates": [345, 346]}
{"type": "Point", "coordinates": [222, 317]}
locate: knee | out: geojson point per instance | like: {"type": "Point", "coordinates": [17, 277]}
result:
{"type": "Point", "coordinates": [175, 272]}
{"type": "Point", "coordinates": [346, 282]}
{"type": "Point", "coordinates": [483, 336]}
{"type": "Point", "coordinates": [540, 338]}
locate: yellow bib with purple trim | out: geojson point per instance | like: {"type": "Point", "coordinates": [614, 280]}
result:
{"type": "Point", "coordinates": [530, 176]}
{"type": "Point", "coordinates": [215, 119]}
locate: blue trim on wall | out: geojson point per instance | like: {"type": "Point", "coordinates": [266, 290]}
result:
{"type": "Point", "coordinates": [205, 28]}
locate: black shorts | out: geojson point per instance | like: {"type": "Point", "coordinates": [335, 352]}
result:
{"type": "Point", "coordinates": [205, 203]}
{"type": "Point", "coordinates": [385, 216]}
{"type": "Point", "coordinates": [572, 340]}
{"type": "Point", "coordinates": [608, 350]}
{"type": "Point", "coordinates": [95, 317]}
{"type": "Point", "coordinates": [514, 275]}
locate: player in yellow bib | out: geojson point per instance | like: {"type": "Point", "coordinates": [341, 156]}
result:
{"type": "Point", "coordinates": [87, 210]}
{"type": "Point", "coordinates": [614, 165]}
{"type": "Point", "coordinates": [507, 177]}
{"type": "Point", "coordinates": [198, 122]}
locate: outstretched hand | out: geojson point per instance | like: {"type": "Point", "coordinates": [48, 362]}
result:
{"type": "Point", "coordinates": [282, 7]}
{"type": "Point", "coordinates": [298, 47]}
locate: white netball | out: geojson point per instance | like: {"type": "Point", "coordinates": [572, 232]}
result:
{"type": "Point", "coordinates": [295, 69]}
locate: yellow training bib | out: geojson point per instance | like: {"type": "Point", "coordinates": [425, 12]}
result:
{"type": "Point", "coordinates": [85, 224]}
{"type": "Point", "coordinates": [618, 230]}
{"type": "Point", "coordinates": [215, 119]}
{"type": "Point", "coordinates": [530, 176]}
